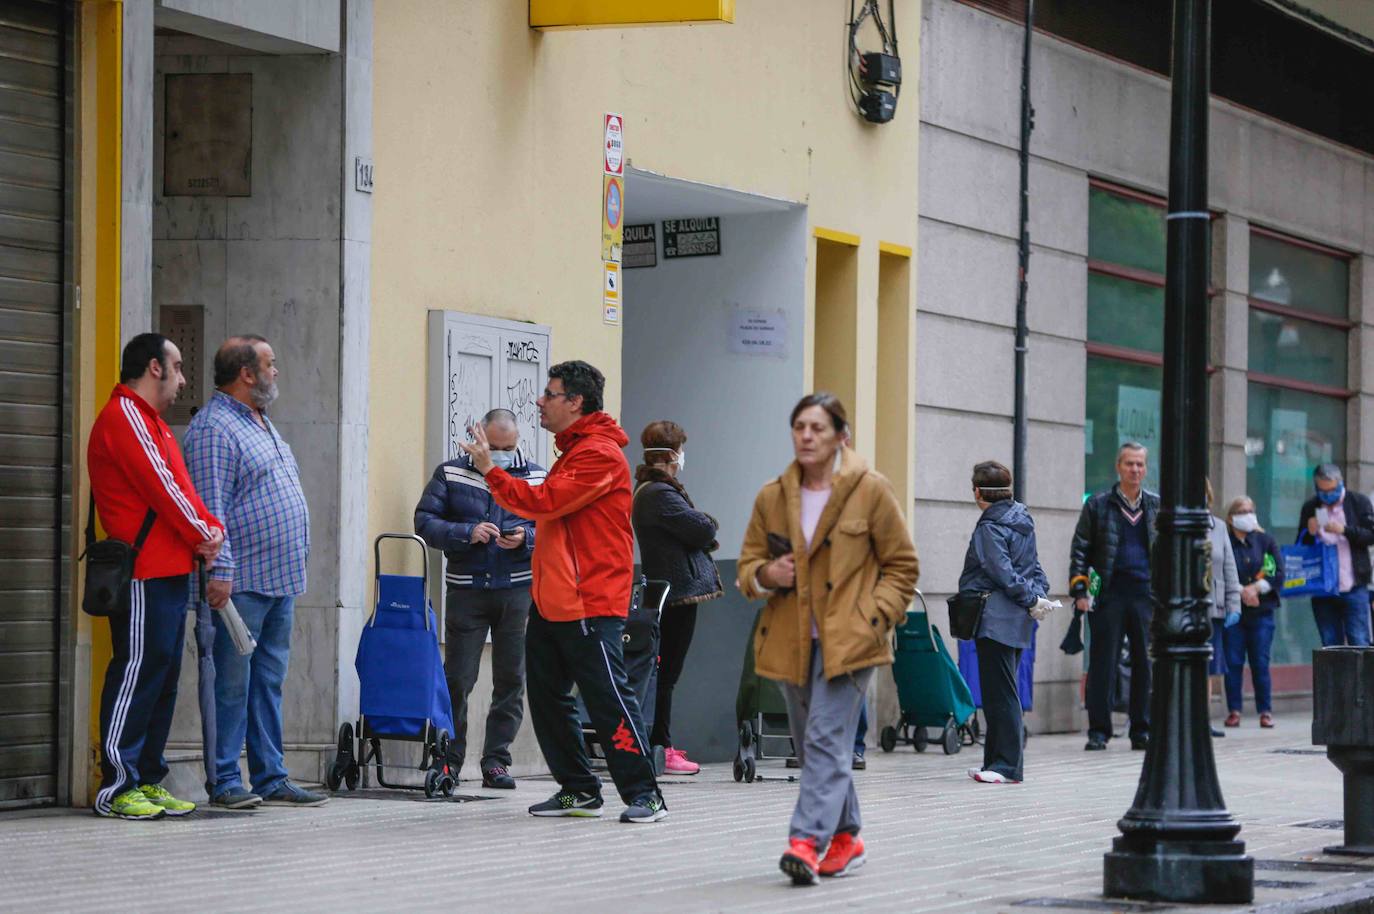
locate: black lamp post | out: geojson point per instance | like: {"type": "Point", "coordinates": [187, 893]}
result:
{"type": "Point", "coordinates": [1178, 842]}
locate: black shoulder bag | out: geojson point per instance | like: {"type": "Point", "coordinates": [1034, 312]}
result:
{"type": "Point", "coordinates": [965, 612]}
{"type": "Point", "coordinates": [110, 567]}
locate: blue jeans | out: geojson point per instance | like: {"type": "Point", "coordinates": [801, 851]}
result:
{"type": "Point", "coordinates": [248, 694]}
{"type": "Point", "coordinates": [1343, 619]}
{"type": "Point", "coordinates": [1252, 636]}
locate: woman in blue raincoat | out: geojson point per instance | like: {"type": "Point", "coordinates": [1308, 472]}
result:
{"type": "Point", "coordinates": [1002, 562]}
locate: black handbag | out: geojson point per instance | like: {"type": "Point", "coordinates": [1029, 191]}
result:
{"type": "Point", "coordinates": [110, 567]}
{"type": "Point", "coordinates": [965, 612]}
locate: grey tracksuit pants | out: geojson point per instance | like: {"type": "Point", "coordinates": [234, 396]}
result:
{"type": "Point", "coordinates": [823, 716]}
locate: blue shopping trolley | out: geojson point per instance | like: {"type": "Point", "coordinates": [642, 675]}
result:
{"type": "Point", "coordinates": [402, 693]}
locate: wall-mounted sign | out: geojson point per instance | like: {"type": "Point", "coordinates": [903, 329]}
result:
{"type": "Point", "coordinates": [611, 299]}
{"type": "Point", "coordinates": [362, 175]}
{"type": "Point", "coordinates": [640, 248]}
{"type": "Point", "coordinates": [613, 158]}
{"type": "Point", "coordinates": [612, 217]}
{"type": "Point", "coordinates": [691, 237]}
{"type": "Point", "coordinates": [757, 332]}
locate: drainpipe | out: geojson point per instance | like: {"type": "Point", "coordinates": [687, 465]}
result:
{"type": "Point", "coordinates": [1023, 267]}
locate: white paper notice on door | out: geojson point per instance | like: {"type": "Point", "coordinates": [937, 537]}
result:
{"type": "Point", "coordinates": [757, 332]}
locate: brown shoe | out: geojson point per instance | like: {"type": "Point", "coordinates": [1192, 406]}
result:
{"type": "Point", "coordinates": [1233, 719]}
{"type": "Point", "coordinates": [1267, 720]}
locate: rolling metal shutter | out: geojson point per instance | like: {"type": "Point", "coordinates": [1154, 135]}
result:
{"type": "Point", "coordinates": [34, 420]}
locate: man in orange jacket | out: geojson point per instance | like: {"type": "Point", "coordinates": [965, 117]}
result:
{"type": "Point", "coordinates": [143, 495]}
{"type": "Point", "coordinates": [583, 568]}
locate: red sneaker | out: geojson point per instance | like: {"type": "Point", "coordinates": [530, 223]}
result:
{"type": "Point", "coordinates": [844, 856]}
{"type": "Point", "coordinates": [800, 861]}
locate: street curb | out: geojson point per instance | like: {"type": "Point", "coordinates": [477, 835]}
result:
{"type": "Point", "coordinates": [1356, 899]}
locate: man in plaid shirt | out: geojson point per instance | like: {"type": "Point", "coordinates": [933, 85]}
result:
{"type": "Point", "coordinates": [243, 468]}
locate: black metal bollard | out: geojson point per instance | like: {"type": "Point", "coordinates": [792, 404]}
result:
{"type": "Point", "coordinates": [1343, 722]}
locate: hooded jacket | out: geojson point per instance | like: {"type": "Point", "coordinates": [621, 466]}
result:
{"type": "Point", "coordinates": [1002, 560]}
{"type": "Point", "coordinates": [456, 500]}
{"type": "Point", "coordinates": [856, 580]}
{"type": "Point", "coordinates": [1098, 535]}
{"type": "Point", "coordinates": [583, 561]}
{"type": "Point", "coordinates": [136, 465]}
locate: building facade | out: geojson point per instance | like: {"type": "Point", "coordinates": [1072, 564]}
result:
{"type": "Point", "coordinates": [1292, 198]}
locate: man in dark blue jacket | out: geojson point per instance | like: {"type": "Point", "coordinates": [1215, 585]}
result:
{"type": "Point", "coordinates": [488, 580]}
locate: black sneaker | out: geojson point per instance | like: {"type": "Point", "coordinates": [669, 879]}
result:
{"type": "Point", "coordinates": [1095, 744]}
{"type": "Point", "coordinates": [648, 808]}
{"type": "Point", "coordinates": [1140, 743]}
{"type": "Point", "coordinates": [570, 803]}
{"type": "Point", "coordinates": [497, 778]}
{"type": "Point", "coordinates": [860, 763]}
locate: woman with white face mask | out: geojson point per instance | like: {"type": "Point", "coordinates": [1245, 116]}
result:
{"type": "Point", "coordinates": [1260, 570]}
{"type": "Point", "coordinates": [675, 545]}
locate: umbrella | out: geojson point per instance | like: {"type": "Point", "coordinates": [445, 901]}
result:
{"type": "Point", "coordinates": [205, 644]}
{"type": "Point", "coordinates": [1073, 638]}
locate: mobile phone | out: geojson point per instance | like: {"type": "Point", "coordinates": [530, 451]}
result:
{"type": "Point", "coordinates": [513, 531]}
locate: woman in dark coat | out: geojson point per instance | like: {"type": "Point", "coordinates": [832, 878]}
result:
{"type": "Point", "coordinates": [1260, 568]}
{"type": "Point", "coordinates": [675, 542]}
{"type": "Point", "coordinates": [1002, 562]}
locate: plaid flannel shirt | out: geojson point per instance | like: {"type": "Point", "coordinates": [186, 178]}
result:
{"type": "Point", "coordinates": [247, 475]}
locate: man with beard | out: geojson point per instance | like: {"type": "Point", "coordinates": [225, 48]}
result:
{"type": "Point", "coordinates": [242, 467]}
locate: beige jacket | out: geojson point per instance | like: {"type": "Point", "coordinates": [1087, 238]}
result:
{"type": "Point", "coordinates": [856, 580]}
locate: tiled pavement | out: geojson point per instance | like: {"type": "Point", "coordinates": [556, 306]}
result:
{"type": "Point", "coordinates": [938, 842]}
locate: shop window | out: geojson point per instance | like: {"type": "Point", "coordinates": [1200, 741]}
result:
{"type": "Point", "coordinates": [1298, 391]}
{"type": "Point", "coordinates": [1126, 250]}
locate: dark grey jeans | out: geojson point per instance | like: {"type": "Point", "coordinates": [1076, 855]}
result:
{"type": "Point", "coordinates": [470, 615]}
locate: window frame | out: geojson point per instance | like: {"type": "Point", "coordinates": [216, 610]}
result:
{"type": "Point", "coordinates": [1299, 314]}
{"type": "Point", "coordinates": [1132, 274]}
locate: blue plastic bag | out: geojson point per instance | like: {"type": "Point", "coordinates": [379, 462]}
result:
{"type": "Point", "coordinates": [1310, 570]}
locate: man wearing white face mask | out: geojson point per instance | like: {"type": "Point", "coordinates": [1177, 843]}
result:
{"type": "Point", "coordinates": [488, 581]}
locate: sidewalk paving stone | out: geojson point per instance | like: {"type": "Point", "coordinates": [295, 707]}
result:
{"type": "Point", "coordinates": [937, 842]}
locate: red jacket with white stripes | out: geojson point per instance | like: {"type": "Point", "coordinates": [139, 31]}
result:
{"type": "Point", "coordinates": [135, 464]}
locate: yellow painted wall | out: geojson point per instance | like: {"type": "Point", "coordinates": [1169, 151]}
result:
{"type": "Point", "coordinates": [487, 141]}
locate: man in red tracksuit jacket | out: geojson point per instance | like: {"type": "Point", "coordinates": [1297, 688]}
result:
{"type": "Point", "coordinates": [136, 469]}
{"type": "Point", "coordinates": [583, 567]}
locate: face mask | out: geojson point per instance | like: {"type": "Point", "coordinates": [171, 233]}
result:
{"type": "Point", "coordinates": [679, 457]}
{"type": "Point", "coordinates": [503, 459]}
{"type": "Point", "coordinates": [1330, 498]}
{"type": "Point", "coordinates": [1245, 523]}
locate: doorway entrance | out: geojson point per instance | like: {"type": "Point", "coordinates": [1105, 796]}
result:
{"type": "Point", "coordinates": [714, 342]}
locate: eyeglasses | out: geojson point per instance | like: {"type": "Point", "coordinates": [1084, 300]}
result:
{"type": "Point", "coordinates": [550, 395]}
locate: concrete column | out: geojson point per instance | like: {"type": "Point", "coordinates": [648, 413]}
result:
{"type": "Point", "coordinates": [1361, 414]}
{"type": "Point", "coordinates": [354, 341]}
{"type": "Point", "coordinates": [1229, 356]}
{"type": "Point", "coordinates": [136, 194]}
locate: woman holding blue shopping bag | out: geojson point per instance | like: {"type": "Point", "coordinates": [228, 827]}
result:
{"type": "Point", "coordinates": [1260, 571]}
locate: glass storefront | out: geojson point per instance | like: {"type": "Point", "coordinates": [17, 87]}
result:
{"type": "Point", "coordinates": [1291, 425]}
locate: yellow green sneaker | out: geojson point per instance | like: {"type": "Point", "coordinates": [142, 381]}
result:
{"type": "Point", "coordinates": [132, 804]}
{"type": "Point", "coordinates": [158, 796]}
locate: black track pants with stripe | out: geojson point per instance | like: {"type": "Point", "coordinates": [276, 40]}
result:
{"type": "Point", "coordinates": [141, 686]}
{"type": "Point", "coordinates": [559, 655]}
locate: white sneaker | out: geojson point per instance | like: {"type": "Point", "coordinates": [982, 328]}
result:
{"type": "Point", "coordinates": [989, 777]}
